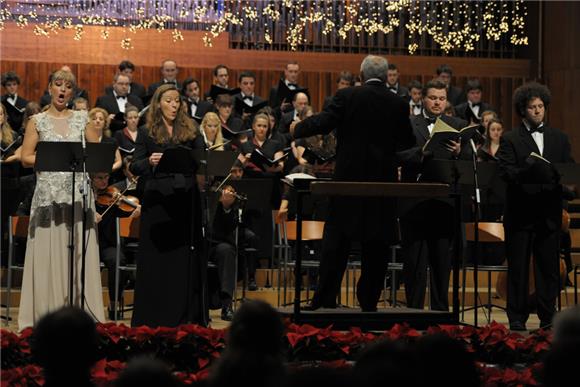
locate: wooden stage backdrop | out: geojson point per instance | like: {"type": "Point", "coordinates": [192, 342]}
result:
{"type": "Point", "coordinates": [95, 60]}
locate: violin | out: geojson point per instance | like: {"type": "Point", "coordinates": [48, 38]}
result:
{"type": "Point", "coordinates": [113, 196]}
{"type": "Point", "coordinates": [231, 190]}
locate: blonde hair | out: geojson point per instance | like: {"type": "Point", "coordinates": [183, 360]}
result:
{"type": "Point", "coordinates": [61, 75]}
{"type": "Point", "coordinates": [211, 117]}
{"type": "Point", "coordinates": [184, 128]}
{"type": "Point", "coordinates": [5, 128]}
{"type": "Point", "coordinates": [93, 113]}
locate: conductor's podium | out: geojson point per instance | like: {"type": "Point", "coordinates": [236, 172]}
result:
{"type": "Point", "coordinates": [343, 318]}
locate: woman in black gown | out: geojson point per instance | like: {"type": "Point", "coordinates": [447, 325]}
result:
{"type": "Point", "coordinates": [169, 287]}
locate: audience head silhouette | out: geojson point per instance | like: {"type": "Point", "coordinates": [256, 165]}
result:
{"type": "Point", "coordinates": [386, 363]}
{"type": "Point", "coordinates": [65, 345]}
{"type": "Point", "coordinates": [146, 372]}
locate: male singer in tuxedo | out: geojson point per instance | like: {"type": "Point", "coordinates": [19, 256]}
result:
{"type": "Point", "coordinates": [345, 79]}
{"type": "Point", "coordinates": [221, 78]}
{"type": "Point", "coordinates": [115, 103]}
{"type": "Point", "coordinates": [196, 107]}
{"type": "Point", "coordinates": [372, 124]}
{"type": "Point", "coordinates": [533, 212]}
{"type": "Point", "coordinates": [136, 89]}
{"type": "Point", "coordinates": [10, 83]}
{"type": "Point", "coordinates": [393, 83]}
{"type": "Point", "coordinates": [471, 110]}
{"type": "Point", "coordinates": [291, 73]}
{"type": "Point", "coordinates": [247, 85]}
{"type": "Point", "coordinates": [427, 226]}
{"type": "Point", "coordinates": [415, 97]}
{"type": "Point", "coordinates": [169, 72]}
{"type": "Point", "coordinates": [454, 94]}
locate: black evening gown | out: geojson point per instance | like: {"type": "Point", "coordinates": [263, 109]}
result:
{"type": "Point", "coordinates": [169, 286]}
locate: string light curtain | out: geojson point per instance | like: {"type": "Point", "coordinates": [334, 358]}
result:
{"type": "Point", "coordinates": [457, 28]}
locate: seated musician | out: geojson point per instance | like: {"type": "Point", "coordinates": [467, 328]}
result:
{"type": "Point", "coordinates": [106, 214]}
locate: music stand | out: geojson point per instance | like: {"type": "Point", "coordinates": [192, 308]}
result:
{"type": "Point", "coordinates": [258, 207]}
{"type": "Point", "coordinates": [68, 157]}
{"type": "Point", "coordinates": [214, 163]}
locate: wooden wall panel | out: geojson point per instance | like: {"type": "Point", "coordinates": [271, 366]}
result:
{"type": "Point", "coordinates": [561, 73]}
{"type": "Point", "coordinates": [94, 62]}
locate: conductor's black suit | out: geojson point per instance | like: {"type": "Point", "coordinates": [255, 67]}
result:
{"type": "Point", "coordinates": [372, 125]}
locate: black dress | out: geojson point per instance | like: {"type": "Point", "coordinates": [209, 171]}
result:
{"type": "Point", "coordinates": [169, 287]}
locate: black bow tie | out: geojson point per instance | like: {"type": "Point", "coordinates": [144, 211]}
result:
{"type": "Point", "coordinates": [170, 83]}
{"type": "Point", "coordinates": [293, 85]}
{"type": "Point", "coordinates": [416, 105]}
{"type": "Point", "coordinates": [392, 88]}
{"type": "Point", "coordinates": [476, 104]}
{"type": "Point", "coordinates": [12, 96]}
{"type": "Point", "coordinates": [193, 102]}
{"type": "Point", "coordinates": [539, 129]}
{"type": "Point", "coordinates": [248, 97]}
{"type": "Point", "coordinates": [121, 97]}
{"type": "Point", "coordinates": [430, 120]}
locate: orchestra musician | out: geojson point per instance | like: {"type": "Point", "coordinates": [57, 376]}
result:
{"type": "Point", "coordinates": [111, 204]}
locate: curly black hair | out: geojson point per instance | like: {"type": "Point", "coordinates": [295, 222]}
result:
{"type": "Point", "coordinates": [528, 91]}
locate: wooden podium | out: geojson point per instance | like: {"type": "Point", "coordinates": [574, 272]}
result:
{"type": "Point", "coordinates": [344, 318]}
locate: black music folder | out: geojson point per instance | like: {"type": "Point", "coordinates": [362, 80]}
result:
{"type": "Point", "coordinates": [287, 94]}
{"type": "Point", "coordinates": [218, 163]}
{"type": "Point", "coordinates": [218, 90]}
{"type": "Point", "coordinates": [242, 107]}
{"type": "Point", "coordinates": [66, 156]}
{"type": "Point", "coordinates": [314, 156]}
{"type": "Point", "coordinates": [177, 160]}
{"type": "Point", "coordinates": [262, 161]}
{"type": "Point", "coordinates": [443, 133]}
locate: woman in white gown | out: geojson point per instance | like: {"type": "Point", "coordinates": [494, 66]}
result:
{"type": "Point", "coordinates": [45, 285]}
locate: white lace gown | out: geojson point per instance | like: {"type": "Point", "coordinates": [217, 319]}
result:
{"type": "Point", "coordinates": [45, 284]}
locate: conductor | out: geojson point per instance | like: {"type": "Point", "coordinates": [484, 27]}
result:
{"type": "Point", "coordinates": [372, 125]}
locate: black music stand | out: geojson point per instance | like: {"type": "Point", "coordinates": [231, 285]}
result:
{"type": "Point", "coordinates": [258, 207]}
{"type": "Point", "coordinates": [68, 157]}
{"type": "Point", "coordinates": [214, 163]}
{"type": "Point", "coordinates": [345, 318]}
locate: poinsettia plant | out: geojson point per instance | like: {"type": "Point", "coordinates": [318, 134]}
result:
{"type": "Point", "coordinates": [505, 358]}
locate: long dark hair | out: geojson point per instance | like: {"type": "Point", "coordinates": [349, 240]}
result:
{"type": "Point", "coordinates": [184, 128]}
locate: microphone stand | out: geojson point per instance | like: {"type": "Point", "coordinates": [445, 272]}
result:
{"type": "Point", "coordinates": [84, 193]}
{"type": "Point", "coordinates": [476, 203]}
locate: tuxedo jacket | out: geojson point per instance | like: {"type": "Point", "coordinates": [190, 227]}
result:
{"type": "Point", "coordinates": [528, 204]}
{"type": "Point", "coordinates": [402, 92]}
{"type": "Point", "coordinates": [462, 112]}
{"type": "Point", "coordinates": [411, 159]}
{"type": "Point", "coordinates": [372, 124]}
{"type": "Point", "coordinates": [14, 118]}
{"type": "Point", "coordinates": [137, 89]}
{"type": "Point", "coordinates": [202, 108]}
{"type": "Point", "coordinates": [274, 99]}
{"type": "Point", "coordinates": [257, 99]}
{"type": "Point", "coordinates": [109, 103]}
{"type": "Point", "coordinates": [152, 87]}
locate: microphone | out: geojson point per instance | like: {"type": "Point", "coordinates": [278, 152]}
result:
{"type": "Point", "coordinates": [83, 139]}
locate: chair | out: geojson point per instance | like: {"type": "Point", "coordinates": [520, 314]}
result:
{"type": "Point", "coordinates": [312, 230]}
{"type": "Point", "coordinates": [18, 228]}
{"type": "Point", "coordinates": [488, 232]}
{"type": "Point", "coordinates": [126, 228]}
